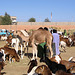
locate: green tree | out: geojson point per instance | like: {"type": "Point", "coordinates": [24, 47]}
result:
{"type": "Point", "coordinates": [0, 20]}
{"type": "Point", "coordinates": [46, 20]}
{"type": "Point", "coordinates": [32, 20]}
{"type": "Point", "coordinates": [6, 20]}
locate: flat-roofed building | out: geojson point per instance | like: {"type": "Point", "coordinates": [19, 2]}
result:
{"type": "Point", "coordinates": [13, 18]}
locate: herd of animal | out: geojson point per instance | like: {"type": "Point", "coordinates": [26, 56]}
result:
{"type": "Point", "coordinates": [21, 39]}
{"type": "Point", "coordinates": [53, 66]}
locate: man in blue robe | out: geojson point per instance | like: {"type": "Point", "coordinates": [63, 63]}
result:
{"type": "Point", "coordinates": [56, 41]}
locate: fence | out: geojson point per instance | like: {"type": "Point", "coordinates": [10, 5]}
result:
{"type": "Point", "coordinates": [35, 25]}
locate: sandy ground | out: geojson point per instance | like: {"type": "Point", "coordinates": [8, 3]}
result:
{"type": "Point", "coordinates": [20, 68]}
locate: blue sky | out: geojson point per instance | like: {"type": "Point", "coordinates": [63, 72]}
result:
{"type": "Point", "coordinates": [62, 10]}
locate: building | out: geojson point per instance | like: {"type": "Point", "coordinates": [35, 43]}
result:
{"type": "Point", "coordinates": [13, 18]}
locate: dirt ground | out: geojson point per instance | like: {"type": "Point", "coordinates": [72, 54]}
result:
{"type": "Point", "coordinates": [20, 68]}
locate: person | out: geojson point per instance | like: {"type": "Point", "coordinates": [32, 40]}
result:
{"type": "Point", "coordinates": [56, 41]}
{"type": "Point", "coordinates": [51, 31]}
{"type": "Point", "coordinates": [65, 34]}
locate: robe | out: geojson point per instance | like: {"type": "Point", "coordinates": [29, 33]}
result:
{"type": "Point", "coordinates": [56, 41]}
